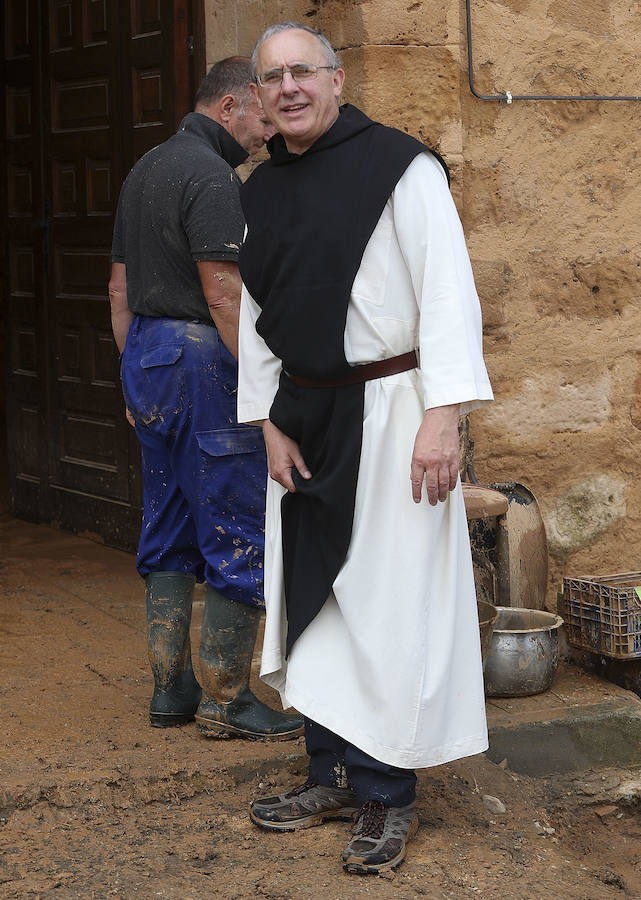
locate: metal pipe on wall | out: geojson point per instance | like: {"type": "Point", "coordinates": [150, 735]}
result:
{"type": "Point", "coordinates": [508, 97]}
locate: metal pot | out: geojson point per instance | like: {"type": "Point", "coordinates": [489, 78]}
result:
{"type": "Point", "coordinates": [524, 652]}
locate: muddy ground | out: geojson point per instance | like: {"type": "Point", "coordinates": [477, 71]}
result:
{"type": "Point", "coordinates": [95, 803]}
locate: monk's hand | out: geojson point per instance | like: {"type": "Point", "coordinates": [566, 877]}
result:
{"type": "Point", "coordinates": [435, 458]}
{"type": "Point", "coordinates": [283, 455]}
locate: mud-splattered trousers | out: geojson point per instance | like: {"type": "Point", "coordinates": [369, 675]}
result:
{"type": "Point", "coordinates": [204, 475]}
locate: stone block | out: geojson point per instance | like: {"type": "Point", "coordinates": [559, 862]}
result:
{"type": "Point", "coordinates": [350, 24]}
{"type": "Point", "coordinates": [579, 15]}
{"type": "Point", "coordinates": [455, 164]}
{"type": "Point", "coordinates": [603, 287]}
{"type": "Point", "coordinates": [542, 403]}
{"type": "Point", "coordinates": [253, 18]}
{"type": "Point", "coordinates": [586, 510]}
{"type": "Point", "coordinates": [493, 282]}
{"type": "Point", "coordinates": [613, 280]}
{"type": "Point", "coordinates": [221, 30]}
{"type": "Point", "coordinates": [492, 278]}
{"type": "Point", "coordinates": [428, 104]}
{"type": "Point", "coordinates": [347, 23]}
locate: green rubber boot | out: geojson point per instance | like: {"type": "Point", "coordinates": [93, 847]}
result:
{"type": "Point", "coordinates": [229, 708]}
{"type": "Point", "coordinates": [176, 691]}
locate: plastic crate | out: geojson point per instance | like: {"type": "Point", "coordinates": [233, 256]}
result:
{"type": "Point", "coordinates": [603, 614]}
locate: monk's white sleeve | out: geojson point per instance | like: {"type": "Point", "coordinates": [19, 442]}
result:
{"type": "Point", "coordinates": [431, 239]}
{"type": "Point", "coordinates": [258, 368]}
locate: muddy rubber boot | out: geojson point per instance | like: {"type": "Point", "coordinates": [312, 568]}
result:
{"type": "Point", "coordinates": [176, 691]}
{"type": "Point", "coordinates": [229, 708]}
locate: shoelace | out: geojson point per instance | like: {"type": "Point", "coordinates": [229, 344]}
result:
{"type": "Point", "coordinates": [301, 790]}
{"type": "Point", "coordinates": [373, 814]}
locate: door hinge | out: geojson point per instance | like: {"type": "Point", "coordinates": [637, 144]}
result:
{"type": "Point", "coordinates": [190, 44]}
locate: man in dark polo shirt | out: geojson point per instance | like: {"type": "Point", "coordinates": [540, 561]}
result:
{"type": "Point", "coordinates": [175, 293]}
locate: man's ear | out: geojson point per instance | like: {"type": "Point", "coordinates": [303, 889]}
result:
{"type": "Point", "coordinates": [253, 90]}
{"type": "Point", "coordinates": [225, 107]}
{"type": "Point", "coordinates": [338, 77]}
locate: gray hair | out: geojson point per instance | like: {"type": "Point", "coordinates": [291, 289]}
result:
{"type": "Point", "coordinates": [330, 54]}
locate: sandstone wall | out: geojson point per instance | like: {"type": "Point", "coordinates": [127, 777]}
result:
{"type": "Point", "coordinates": [549, 196]}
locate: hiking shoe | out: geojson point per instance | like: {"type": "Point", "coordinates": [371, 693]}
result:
{"type": "Point", "coordinates": [305, 806]}
{"type": "Point", "coordinates": [379, 836]}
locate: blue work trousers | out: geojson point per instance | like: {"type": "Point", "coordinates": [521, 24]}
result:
{"type": "Point", "coordinates": [204, 475]}
{"type": "Point", "coordinates": [332, 759]}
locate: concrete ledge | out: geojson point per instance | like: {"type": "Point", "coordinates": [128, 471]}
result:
{"type": "Point", "coordinates": [582, 723]}
{"type": "Point", "coordinates": [586, 738]}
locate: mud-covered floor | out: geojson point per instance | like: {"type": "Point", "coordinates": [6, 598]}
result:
{"type": "Point", "coordinates": [95, 803]}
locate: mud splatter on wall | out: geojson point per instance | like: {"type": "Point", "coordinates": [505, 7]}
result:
{"type": "Point", "coordinates": [549, 196]}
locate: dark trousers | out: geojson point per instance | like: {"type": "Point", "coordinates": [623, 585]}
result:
{"type": "Point", "coordinates": [332, 760]}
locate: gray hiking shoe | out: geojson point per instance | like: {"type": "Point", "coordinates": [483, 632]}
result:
{"type": "Point", "coordinates": [305, 806]}
{"type": "Point", "coordinates": [379, 836]}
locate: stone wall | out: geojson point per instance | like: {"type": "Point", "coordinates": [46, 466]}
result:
{"type": "Point", "coordinates": [548, 192]}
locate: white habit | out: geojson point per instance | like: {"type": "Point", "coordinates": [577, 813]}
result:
{"type": "Point", "coordinates": [392, 663]}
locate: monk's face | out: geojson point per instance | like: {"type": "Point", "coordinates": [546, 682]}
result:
{"type": "Point", "coordinates": [300, 110]}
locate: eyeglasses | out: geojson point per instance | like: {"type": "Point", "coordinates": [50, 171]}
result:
{"type": "Point", "coordinates": [302, 72]}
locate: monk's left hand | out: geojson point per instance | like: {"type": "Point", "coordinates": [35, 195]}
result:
{"type": "Point", "coordinates": [436, 454]}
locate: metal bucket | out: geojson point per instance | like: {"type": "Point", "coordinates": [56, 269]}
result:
{"type": "Point", "coordinates": [523, 654]}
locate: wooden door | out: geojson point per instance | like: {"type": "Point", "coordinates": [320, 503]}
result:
{"type": "Point", "coordinates": [90, 86]}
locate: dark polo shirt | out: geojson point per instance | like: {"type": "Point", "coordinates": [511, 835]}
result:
{"type": "Point", "coordinates": [179, 205]}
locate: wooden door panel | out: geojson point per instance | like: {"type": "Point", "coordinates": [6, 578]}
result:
{"type": "Point", "coordinates": [157, 65]}
{"type": "Point", "coordinates": [18, 33]}
{"type": "Point", "coordinates": [80, 104]}
{"type": "Point", "coordinates": [19, 118]}
{"type": "Point", "coordinates": [97, 22]}
{"type": "Point", "coordinates": [83, 184]}
{"type": "Point", "coordinates": [63, 23]}
{"type": "Point", "coordinates": [148, 96]}
{"type": "Point", "coordinates": [24, 356]}
{"type": "Point", "coordinates": [100, 186]}
{"type": "Point", "coordinates": [146, 18]}
{"type": "Point", "coordinates": [81, 271]}
{"type": "Point", "coordinates": [72, 22]}
{"type": "Point", "coordinates": [20, 189]}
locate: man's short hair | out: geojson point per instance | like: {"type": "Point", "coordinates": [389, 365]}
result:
{"type": "Point", "coordinates": [228, 76]}
{"type": "Point", "coordinates": [330, 54]}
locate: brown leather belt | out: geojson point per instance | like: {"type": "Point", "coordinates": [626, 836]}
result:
{"type": "Point", "coordinates": [367, 372]}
